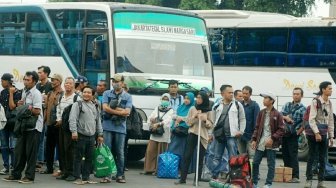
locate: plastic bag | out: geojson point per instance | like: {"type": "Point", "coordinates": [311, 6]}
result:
{"type": "Point", "coordinates": [104, 164]}
{"type": "Point", "coordinates": [168, 164]}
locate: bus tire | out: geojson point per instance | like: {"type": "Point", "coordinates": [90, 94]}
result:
{"type": "Point", "coordinates": [136, 152]}
{"type": "Point", "coordinates": [303, 150]}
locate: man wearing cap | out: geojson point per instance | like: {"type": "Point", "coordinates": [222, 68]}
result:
{"type": "Point", "coordinates": [9, 97]}
{"type": "Point", "coordinates": [50, 116]}
{"type": "Point", "coordinates": [267, 138]}
{"type": "Point", "coordinates": [81, 82]}
{"type": "Point", "coordinates": [117, 106]}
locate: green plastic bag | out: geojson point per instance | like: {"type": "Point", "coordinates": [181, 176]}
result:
{"type": "Point", "coordinates": [104, 164]}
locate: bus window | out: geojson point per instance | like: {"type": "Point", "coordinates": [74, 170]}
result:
{"type": "Point", "coordinates": [38, 38]}
{"type": "Point", "coordinates": [12, 32]}
{"type": "Point", "coordinates": [309, 47]}
{"type": "Point", "coordinates": [222, 43]}
{"type": "Point", "coordinates": [70, 28]}
{"type": "Point", "coordinates": [96, 19]}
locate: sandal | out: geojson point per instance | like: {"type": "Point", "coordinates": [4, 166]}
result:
{"type": "Point", "coordinates": [106, 180]}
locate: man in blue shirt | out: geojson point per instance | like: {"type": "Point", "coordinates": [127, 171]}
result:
{"type": "Point", "coordinates": [175, 99]}
{"type": "Point", "coordinates": [117, 106]}
{"type": "Point", "coordinates": [293, 116]}
{"type": "Point", "coordinates": [251, 109]}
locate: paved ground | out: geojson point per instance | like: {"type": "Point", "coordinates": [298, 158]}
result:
{"type": "Point", "coordinates": [134, 180]}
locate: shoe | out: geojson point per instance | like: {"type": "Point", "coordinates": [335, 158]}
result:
{"type": "Point", "coordinates": [255, 186]}
{"type": "Point", "coordinates": [294, 180]}
{"type": "Point", "coordinates": [11, 179]}
{"type": "Point", "coordinates": [121, 179]}
{"type": "Point", "coordinates": [114, 177]}
{"type": "Point", "coordinates": [267, 186]}
{"type": "Point", "coordinates": [79, 182]}
{"type": "Point", "coordinates": [57, 173]}
{"type": "Point", "coordinates": [180, 182]}
{"type": "Point", "coordinates": [321, 185]}
{"type": "Point", "coordinates": [26, 180]}
{"type": "Point", "coordinates": [4, 171]}
{"type": "Point", "coordinates": [62, 177]}
{"type": "Point", "coordinates": [70, 178]}
{"type": "Point", "coordinates": [126, 169]}
{"type": "Point", "coordinates": [46, 172]}
{"type": "Point", "coordinates": [308, 184]}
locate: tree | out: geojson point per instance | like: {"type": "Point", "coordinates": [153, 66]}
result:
{"type": "Point", "coordinates": [197, 4]}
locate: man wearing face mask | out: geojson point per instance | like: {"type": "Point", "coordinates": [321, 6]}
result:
{"type": "Point", "coordinates": [117, 106]}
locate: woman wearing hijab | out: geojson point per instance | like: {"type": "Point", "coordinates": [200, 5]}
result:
{"type": "Point", "coordinates": [178, 138]}
{"type": "Point", "coordinates": [201, 112]}
{"type": "Point", "coordinates": [158, 142]}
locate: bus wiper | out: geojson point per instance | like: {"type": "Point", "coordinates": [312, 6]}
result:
{"type": "Point", "coordinates": [205, 53]}
{"type": "Point", "coordinates": [155, 81]}
{"type": "Point", "coordinates": [188, 86]}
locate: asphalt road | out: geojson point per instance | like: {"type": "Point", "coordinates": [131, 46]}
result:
{"type": "Point", "coordinates": [135, 180]}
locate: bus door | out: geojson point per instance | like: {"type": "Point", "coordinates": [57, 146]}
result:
{"type": "Point", "coordinates": [96, 57]}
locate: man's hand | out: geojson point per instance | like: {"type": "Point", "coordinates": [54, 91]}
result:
{"type": "Point", "coordinates": [74, 136]}
{"type": "Point", "coordinates": [254, 145]}
{"type": "Point", "coordinates": [239, 134]}
{"type": "Point", "coordinates": [331, 142]}
{"type": "Point", "coordinates": [20, 102]}
{"type": "Point", "coordinates": [58, 123]}
{"type": "Point", "coordinates": [124, 112]}
{"type": "Point", "coordinates": [318, 137]}
{"type": "Point", "coordinates": [210, 138]}
{"type": "Point", "coordinates": [269, 143]}
{"type": "Point", "coordinates": [100, 139]}
{"type": "Point", "coordinates": [12, 90]}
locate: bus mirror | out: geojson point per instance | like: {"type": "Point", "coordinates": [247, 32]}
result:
{"type": "Point", "coordinates": [221, 50]}
{"type": "Point", "coordinates": [98, 47]}
{"type": "Point", "coordinates": [205, 53]}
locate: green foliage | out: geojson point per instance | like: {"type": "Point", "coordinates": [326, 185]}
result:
{"type": "Point", "coordinates": [197, 4]}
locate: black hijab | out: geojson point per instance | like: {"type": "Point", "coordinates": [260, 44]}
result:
{"type": "Point", "coordinates": [204, 107]}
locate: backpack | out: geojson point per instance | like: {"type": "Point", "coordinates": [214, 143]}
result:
{"type": "Point", "coordinates": [66, 113]}
{"type": "Point", "coordinates": [134, 124]}
{"type": "Point", "coordinates": [330, 172]}
{"type": "Point", "coordinates": [306, 125]}
{"type": "Point", "coordinates": [240, 171]}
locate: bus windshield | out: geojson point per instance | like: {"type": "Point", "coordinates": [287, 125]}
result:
{"type": "Point", "coordinates": [153, 48]}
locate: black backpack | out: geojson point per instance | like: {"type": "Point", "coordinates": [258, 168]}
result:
{"type": "Point", "coordinates": [66, 113]}
{"type": "Point", "coordinates": [134, 124]}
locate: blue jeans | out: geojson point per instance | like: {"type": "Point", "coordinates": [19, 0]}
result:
{"type": "Point", "coordinates": [223, 166]}
{"type": "Point", "coordinates": [7, 147]}
{"type": "Point", "coordinates": [117, 141]}
{"type": "Point", "coordinates": [218, 150]}
{"type": "Point", "coordinates": [271, 154]}
{"type": "Point", "coordinates": [40, 155]}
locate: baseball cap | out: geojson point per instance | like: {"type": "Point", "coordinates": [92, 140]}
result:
{"type": "Point", "coordinates": [7, 77]}
{"type": "Point", "coordinates": [81, 79]}
{"type": "Point", "coordinates": [118, 77]}
{"type": "Point", "coordinates": [205, 90]}
{"type": "Point", "coordinates": [57, 77]}
{"type": "Point", "coordinates": [268, 94]}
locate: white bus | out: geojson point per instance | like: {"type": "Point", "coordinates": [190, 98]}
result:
{"type": "Point", "coordinates": [148, 45]}
{"type": "Point", "coordinates": [272, 52]}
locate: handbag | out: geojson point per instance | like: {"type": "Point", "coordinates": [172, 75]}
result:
{"type": "Point", "coordinates": [219, 132]}
{"type": "Point", "coordinates": [159, 131]}
{"type": "Point", "coordinates": [180, 131]}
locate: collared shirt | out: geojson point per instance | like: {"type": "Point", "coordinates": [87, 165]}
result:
{"type": "Point", "coordinates": [317, 116]}
{"type": "Point", "coordinates": [176, 102]}
{"type": "Point", "coordinates": [125, 102]}
{"type": "Point", "coordinates": [266, 132]}
{"type": "Point", "coordinates": [295, 111]}
{"type": "Point", "coordinates": [51, 104]}
{"type": "Point", "coordinates": [65, 101]}
{"type": "Point", "coordinates": [4, 98]}
{"type": "Point", "coordinates": [34, 98]}
{"type": "Point", "coordinates": [251, 109]}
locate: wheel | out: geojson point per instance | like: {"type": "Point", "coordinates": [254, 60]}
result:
{"type": "Point", "coordinates": [303, 150]}
{"type": "Point", "coordinates": [136, 152]}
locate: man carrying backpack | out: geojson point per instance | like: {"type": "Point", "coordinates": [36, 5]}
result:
{"type": "Point", "coordinates": [320, 129]}
{"type": "Point", "coordinates": [230, 124]}
{"type": "Point", "coordinates": [266, 138]}
{"type": "Point", "coordinates": [65, 143]}
{"type": "Point", "coordinates": [293, 115]}
{"type": "Point", "coordinates": [85, 124]}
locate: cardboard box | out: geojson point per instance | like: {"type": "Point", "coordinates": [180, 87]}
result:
{"type": "Point", "coordinates": [283, 174]}
{"type": "Point", "coordinates": [278, 178]}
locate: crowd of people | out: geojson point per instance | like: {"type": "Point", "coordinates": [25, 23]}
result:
{"type": "Point", "coordinates": [72, 118]}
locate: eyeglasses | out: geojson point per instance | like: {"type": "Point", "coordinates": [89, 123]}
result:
{"type": "Point", "coordinates": [325, 112]}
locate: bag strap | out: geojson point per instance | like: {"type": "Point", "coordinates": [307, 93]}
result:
{"type": "Point", "coordinates": [227, 112]}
